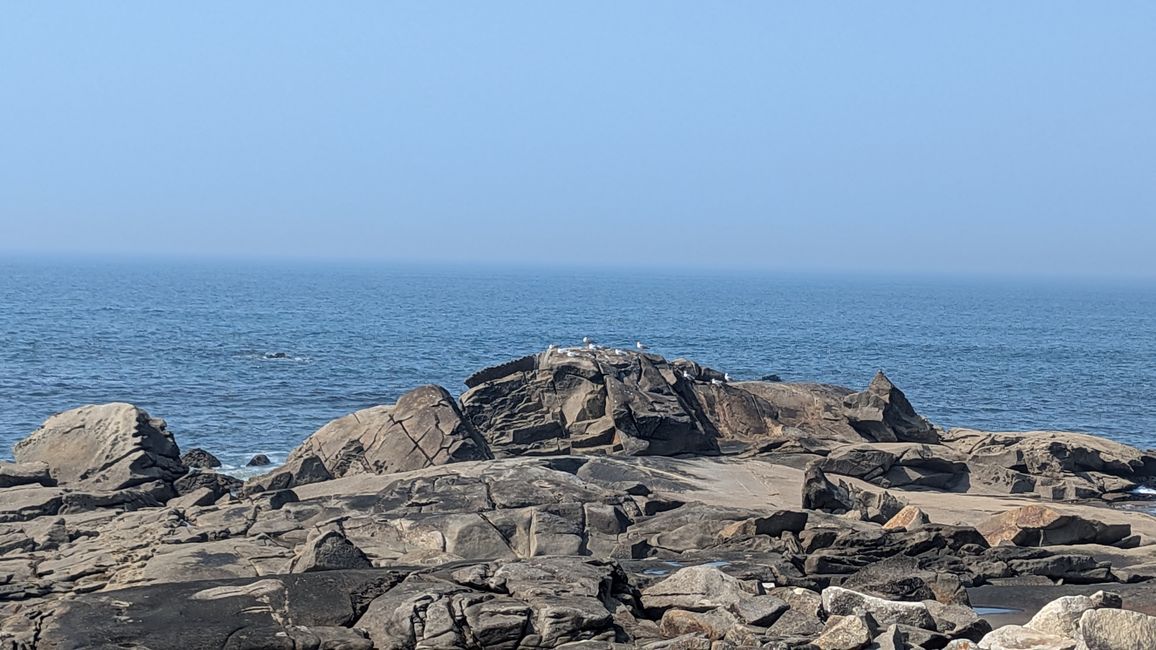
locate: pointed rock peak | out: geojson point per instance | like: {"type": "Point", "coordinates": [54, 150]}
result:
{"type": "Point", "coordinates": [880, 383]}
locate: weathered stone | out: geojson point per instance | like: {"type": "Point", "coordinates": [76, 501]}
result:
{"type": "Point", "coordinates": [329, 551]}
{"type": "Point", "coordinates": [103, 447]}
{"type": "Point", "coordinates": [295, 473]}
{"type": "Point", "coordinates": [762, 611]}
{"type": "Point", "coordinates": [1061, 617]}
{"type": "Point", "coordinates": [425, 428]}
{"type": "Point", "coordinates": [957, 621]}
{"type": "Point", "coordinates": [219, 484]}
{"type": "Point", "coordinates": [697, 588]}
{"type": "Point", "coordinates": [843, 602]}
{"type": "Point", "coordinates": [200, 459]}
{"type": "Point", "coordinates": [1116, 629]}
{"type": "Point", "coordinates": [1043, 526]}
{"type": "Point", "coordinates": [1018, 637]}
{"type": "Point", "coordinates": [845, 632]}
{"type": "Point", "coordinates": [258, 460]}
{"type": "Point", "coordinates": [14, 474]}
{"type": "Point", "coordinates": [713, 624]}
{"type": "Point", "coordinates": [199, 497]}
{"type": "Point", "coordinates": [882, 413]}
{"type": "Point", "coordinates": [908, 518]}
{"type": "Point", "coordinates": [588, 401]}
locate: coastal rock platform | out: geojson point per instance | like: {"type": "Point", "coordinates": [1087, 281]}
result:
{"type": "Point", "coordinates": [584, 498]}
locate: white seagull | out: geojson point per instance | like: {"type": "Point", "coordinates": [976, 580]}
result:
{"type": "Point", "coordinates": [726, 376]}
{"type": "Point", "coordinates": [716, 382]}
{"type": "Point", "coordinates": [641, 346]}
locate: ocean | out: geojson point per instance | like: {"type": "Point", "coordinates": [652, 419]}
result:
{"type": "Point", "coordinates": [245, 358]}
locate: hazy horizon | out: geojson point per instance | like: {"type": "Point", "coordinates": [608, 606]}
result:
{"type": "Point", "coordinates": [982, 139]}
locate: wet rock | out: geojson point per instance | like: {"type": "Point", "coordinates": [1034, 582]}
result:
{"type": "Point", "coordinates": [103, 447]}
{"type": "Point", "coordinates": [882, 413]}
{"type": "Point", "coordinates": [1043, 526]}
{"type": "Point", "coordinates": [200, 459]}
{"type": "Point", "coordinates": [425, 428]}
{"type": "Point", "coordinates": [259, 460]}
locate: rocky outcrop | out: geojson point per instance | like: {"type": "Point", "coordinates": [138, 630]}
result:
{"type": "Point", "coordinates": [882, 413]}
{"type": "Point", "coordinates": [589, 401]}
{"type": "Point", "coordinates": [646, 537]}
{"type": "Point", "coordinates": [103, 447]}
{"type": "Point", "coordinates": [425, 428]}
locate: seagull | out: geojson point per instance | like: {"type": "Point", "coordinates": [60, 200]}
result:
{"type": "Point", "coordinates": [571, 353]}
{"type": "Point", "coordinates": [586, 340]}
{"type": "Point", "coordinates": [641, 346]}
{"type": "Point", "coordinates": [726, 377]}
{"type": "Point", "coordinates": [552, 348]}
{"type": "Point", "coordinates": [686, 376]}
{"type": "Point", "coordinates": [717, 382]}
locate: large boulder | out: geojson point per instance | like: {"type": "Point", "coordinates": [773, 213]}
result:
{"type": "Point", "coordinates": [698, 588]}
{"type": "Point", "coordinates": [103, 447]}
{"type": "Point", "coordinates": [425, 428]}
{"type": "Point", "coordinates": [882, 413]}
{"type": "Point", "coordinates": [1116, 629]}
{"type": "Point", "coordinates": [1043, 526]}
{"type": "Point", "coordinates": [588, 401]}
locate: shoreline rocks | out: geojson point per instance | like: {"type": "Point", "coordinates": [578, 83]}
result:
{"type": "Point", "coordinates": [584, 498]}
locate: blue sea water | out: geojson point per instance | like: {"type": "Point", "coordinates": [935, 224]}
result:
{"type": "Point", "coordinates": [189, 341]}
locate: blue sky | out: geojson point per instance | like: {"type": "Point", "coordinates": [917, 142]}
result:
{"type": "Point", "coordinates": [905, 137]}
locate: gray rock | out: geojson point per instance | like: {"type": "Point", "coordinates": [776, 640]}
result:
{"type": "Point", "coordinates": [425, 428]}
{"type": "Point", "coordinates": [103, 447]}
{"type": "Point", "coordinates": [15, 474]}
{"type": "Point", "coordinates": [882, 413]}
{"type": "Point", "coordinates": [843, 602]}
{"type": "Point", "coordinates": [1017, 637]}
{"type": "Point", "coordinates": [200, 459]}
{"type": "Point", "coordinates": [1116, 629]}
{"type": "Point", "coordinates": [845, 632]}
{"type": "Point", "coordinates": [1061, 617]}
{"type": "Point", "coordinates": [697, 588]}
{"type": "Point", "coordinates": [588, 401]}
{"type": "Point", "coordinates": [329, 551]}
{"type": "Point", "coordinates": [259, 460]}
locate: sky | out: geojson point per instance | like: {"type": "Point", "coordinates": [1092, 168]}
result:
{"type": "Point", "coordinates": [910, 137]}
